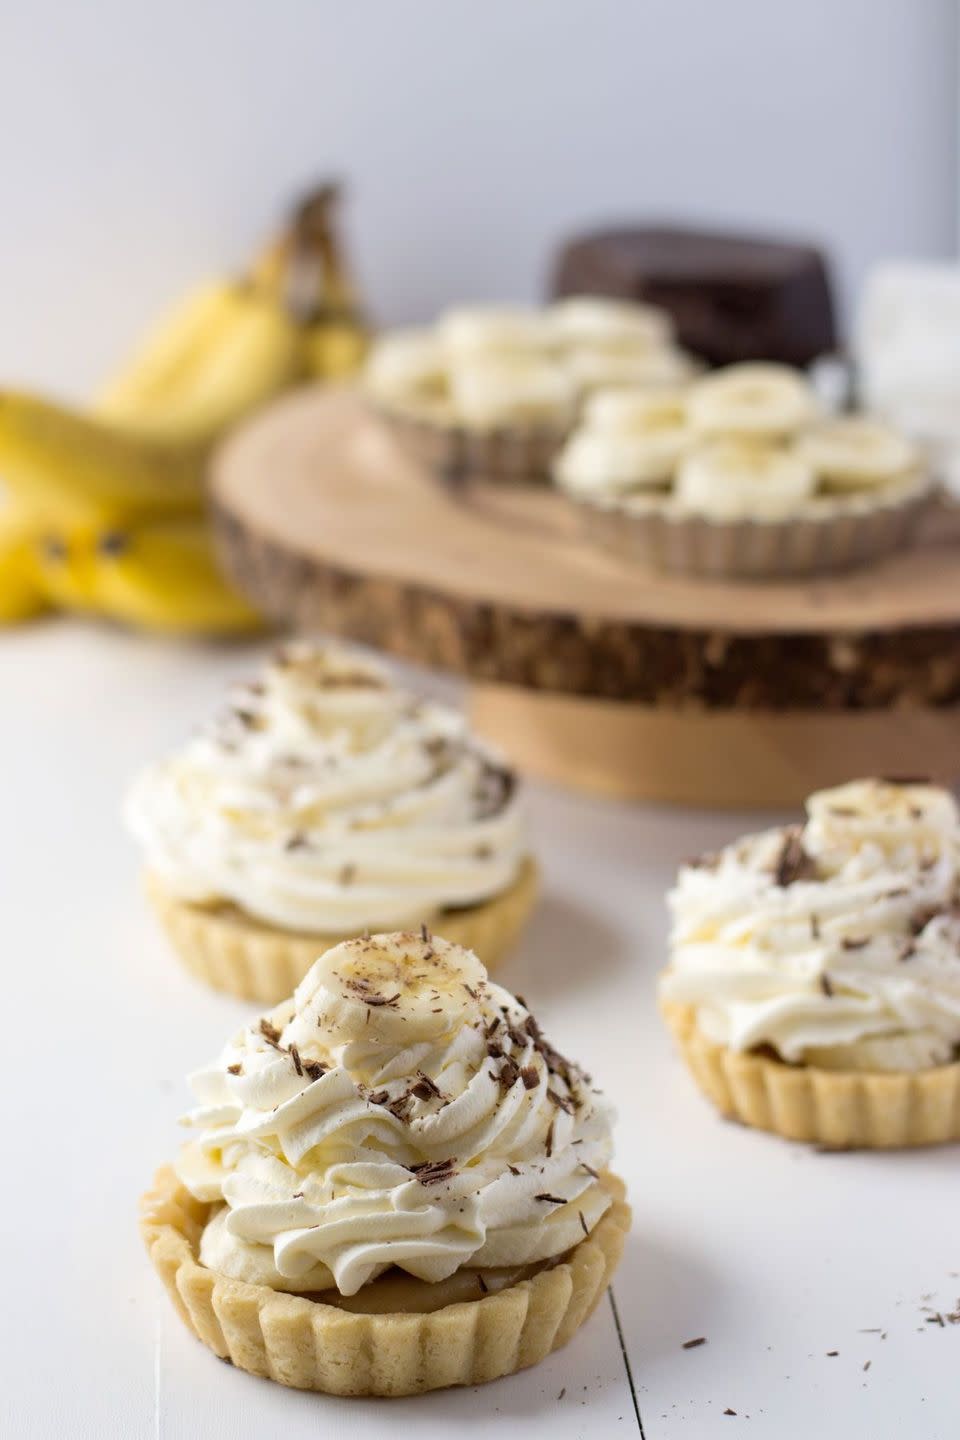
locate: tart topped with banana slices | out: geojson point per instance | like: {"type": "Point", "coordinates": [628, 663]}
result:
{"type": "Point", "coordinates": [323, 800]}
{"type": "Point", "coordinates": [739, 473]}
{"type": "Point", "coordinates": [398, 1143]}
{"type": "Point", "coordinates": [491, 390]}
{"type": "Point", "coordinates": [806, 956]}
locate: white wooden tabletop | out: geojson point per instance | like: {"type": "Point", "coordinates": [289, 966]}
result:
{"type": "Point", "coordinates": [814, 1278]}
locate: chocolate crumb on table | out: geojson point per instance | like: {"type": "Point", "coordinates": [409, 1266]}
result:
{"type": "Point", "coordinates": [692, 1344]}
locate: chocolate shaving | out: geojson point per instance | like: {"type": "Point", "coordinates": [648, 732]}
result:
{"type": "Point", "coordinates": [793, 863]}
{"type": "Point", "coordinates": [425, 1088]}
{"type": "Point", "coordinates": [270, 1033]}
{"type": "Point", "coordinates": [424, 933]}
{"type": "Point", "coordinates": [481, 1282]}
{"type": "Point", "coordinates": [294, 1054]}
{"type": "Point", "coordinates": [826, 986]}
{"type": "Point", "coordinates": [509, 1073]}
{"type": "Point", "coordinates": [513, 1170]}
{"type": "Point", "coordinates": [314, 1069]}
{"type": "Point", "coordinates": [548, 1143]}
{"type": "Point", "coordinates": [529, 1077]}
{"type": "Point", "coordinates": [583, 1224]}
{"type": "Point", "coordinates": [430, 1172]}
{"type": "Point", "coordinates": [379, 1097]}
{"type": "Point", "coordinates": [550, 1199]}
{"type": "Point", "coordinates": [589, 1169]}
{"type": "Point", "coordinates": [561, 1101]}
{"type": "Point", "coordinates": [854, 942]}
{"type": "Point", "coordinates": [234, 1069]}
{"type": "Point", "coordinates": [920, 919]}
{"type": "Point", "coordinates": [296, 841]}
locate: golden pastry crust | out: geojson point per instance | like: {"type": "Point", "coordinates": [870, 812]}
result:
{"type": "Point", "coordinates": [232, 951]}
{"type": "Point", "coordinates": [826, 1107]}
{"type": "Point", "coordinates": [313, 1346]}
{"type": "Point", "coordinates": [456, 453]}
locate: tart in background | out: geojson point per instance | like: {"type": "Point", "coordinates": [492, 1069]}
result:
{"type": "Point", "coordinates": [322, 802]}
{"type": "Point", "coordinates": [814, 979]}
{"type": "Point", "coordinates": [739, 474]}
{"type": "Point", "coordinates": [490, 392]}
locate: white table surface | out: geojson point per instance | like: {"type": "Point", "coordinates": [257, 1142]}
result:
{"type": "Point", "coordinates": [775, 1253]}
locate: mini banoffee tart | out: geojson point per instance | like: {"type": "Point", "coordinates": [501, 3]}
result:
{"type": "Point", "coordinates": [325, 800]}
{"type": "Point", "coordinates": [397, 1184]}
{"type": "Point", "coordinates": [738, 474]}
{"type": "Point", "coordinates": [814, 978]}
{"type": "Point", "coordinates": [489, 392]}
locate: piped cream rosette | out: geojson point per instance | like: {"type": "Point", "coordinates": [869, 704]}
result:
{"type": "Point", "coordinates": [814, 978]}
{"type": "Point", "coordinates": [323, 800]}
{"type": "Point", "coordinates": [492, 390]}
{"type": "Point", "coordinates": [739, 474]}
{"type": "Point", "coordinates": [396, 1157]}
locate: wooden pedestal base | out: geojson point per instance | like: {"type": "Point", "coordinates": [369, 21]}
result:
{"type": "Point", "coordinates": [727, 759]}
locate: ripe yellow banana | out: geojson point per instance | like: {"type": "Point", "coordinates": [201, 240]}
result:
{"type": "Point", "coordinates": [334, 349]}
{"type": "Point", "coordinates": [169, 354]}
{"type": "Point", "coordinates": [306, 270]}
{"type": "Point", "coordinates": [68, 565]}
{"type": "Point", "coordinates": [109, 505]}
{"type": "Point", "coordinates": [164, 576]}
{"type": "Point", "coordinates": [223, 354]}
{"type": "Point", "coordinates": [68, 468]}
{"type": "Point", "coordinates": [21, 589]}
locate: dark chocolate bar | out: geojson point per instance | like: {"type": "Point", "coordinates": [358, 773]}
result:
{"type": "Point", "coordinates": [731, 297]}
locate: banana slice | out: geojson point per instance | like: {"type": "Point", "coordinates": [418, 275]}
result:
{"type": "Point", "coordinates": [644, 411]}
{"type": "Point", "coordinates": [751, 400]}
{"type": "Point", "coordinates": [630, 439]}
{"type": "Point", "coordinates": [918, 1050]}
{"type": "Point", "coordinates": [406, 365]}
{"type": "Point", "coordinates": [853, 453]}
{"type": "Point", "coordinates": [598, 463]}
{"type": "Point", "coordinates": [497, 389]}
{"type": "Point", "coordinates": [736, 479]}
{"type": "Point", "coordinates": [594, 368]}
{"type": "Point", "coordinates": [399, 988]}
{"type": "Point", "coordinates": [478, 330]}
{"type": "Point", "coordinates": [594, 320]}
{"type": "Point", "coordinates": [884, 813]}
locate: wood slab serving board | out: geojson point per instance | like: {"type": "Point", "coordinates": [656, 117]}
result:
{"type": "Point", "coordinates": [326, 522]}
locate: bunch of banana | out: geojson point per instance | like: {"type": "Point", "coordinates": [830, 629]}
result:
{"type": "Point", "coordinates": [105, 509]}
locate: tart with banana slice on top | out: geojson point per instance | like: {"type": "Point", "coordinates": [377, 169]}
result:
{"type": "Point", "coordinates": [739, 474]}
{"type": "Point", "coordinates": [490, 391]}
{"type": "Point", "coordinates": [396, 1183]}
{"type": "Point", "coordinates": [325, 799]}
{"type": "Point", "coordinates": [814, 979]}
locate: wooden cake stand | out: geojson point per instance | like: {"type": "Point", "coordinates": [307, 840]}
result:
{"type": "Point", "coordinates": [583, 668]}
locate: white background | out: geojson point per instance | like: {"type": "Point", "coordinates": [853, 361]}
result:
{"type": "Point", "coordinates": [775, 1253]}
{"type": "Point", "coordinates": [143, 146]}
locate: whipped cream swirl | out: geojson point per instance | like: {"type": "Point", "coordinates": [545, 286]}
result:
{"type": "Point", "coordinates": [338, 1158]}
{"type": "Point", "coordinates": [326, 800]}
{"type": "Point", "coordinates": [837, 943]}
